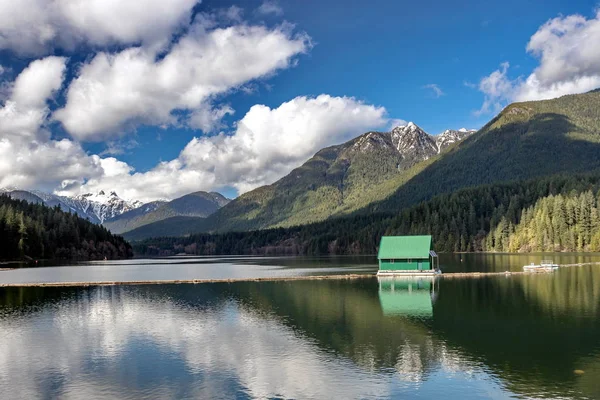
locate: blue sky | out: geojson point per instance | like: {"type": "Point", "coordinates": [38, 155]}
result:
{"type": "Point", "coordinates": [437, 63]}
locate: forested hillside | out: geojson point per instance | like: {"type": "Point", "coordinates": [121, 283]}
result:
{"type": "Point", "coordinates": [338, 180]}
{"type": "Point", "coordinates": [38, 231]}
{"type": "Point", "coordinates": [526, 140]}
{"type": "Point", "coordinates": [549, 214]}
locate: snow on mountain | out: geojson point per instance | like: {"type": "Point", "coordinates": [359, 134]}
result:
{"type": "Point", "coordinates": [451, 136]}
{"type": "Point", "coordinates": [412, 142]}
{"type": "Point", "coordinates": [97, 207]}
{"type": "Point", "coordinates": [103, 206]}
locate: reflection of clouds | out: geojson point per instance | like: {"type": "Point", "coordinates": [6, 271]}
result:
{"type": "Point", "coordinates": [117, 342]}
{"type": "Point", "coordinates": [88, 348]}
{"type": "Point", "coordinates": [410, 365]}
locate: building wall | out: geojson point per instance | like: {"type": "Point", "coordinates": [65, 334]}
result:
{"type": "Point", "coordinates": [403, 265]}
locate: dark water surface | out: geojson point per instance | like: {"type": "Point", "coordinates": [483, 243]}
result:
{"type": "Point", "coordinates": [498, 337]}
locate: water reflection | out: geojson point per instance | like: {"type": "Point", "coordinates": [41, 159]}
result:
{"type": "Point", "coordinates": [407, 296]}
{"type": "Point", "coordinates": [500, 337]}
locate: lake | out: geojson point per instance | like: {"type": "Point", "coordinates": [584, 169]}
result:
{"type": "Point", "coordinates": [533, 336]}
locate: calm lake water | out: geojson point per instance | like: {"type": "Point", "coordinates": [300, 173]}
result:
{"type": "Point", "coordinates": [497, 337]}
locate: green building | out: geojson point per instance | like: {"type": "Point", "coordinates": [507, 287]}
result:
{"type": "Point", "coordinates": [406, 254]}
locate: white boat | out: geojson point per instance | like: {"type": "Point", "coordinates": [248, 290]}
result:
{"type": "Point", "coordinates": [544, 266]}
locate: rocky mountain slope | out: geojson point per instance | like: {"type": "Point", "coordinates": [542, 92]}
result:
{"type": "Point", "coordinates": [198, 204]}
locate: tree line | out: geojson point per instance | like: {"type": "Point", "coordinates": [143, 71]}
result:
{"type": "Point", "coordinates": [30, 230]}
{"type": "Point", "coordinates": [550, 214]}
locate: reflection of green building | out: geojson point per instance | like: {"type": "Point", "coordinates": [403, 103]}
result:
{"type": "Point", "coordinates": [406, 254]}
{"type": "Point", "coordinates": [401, 296]}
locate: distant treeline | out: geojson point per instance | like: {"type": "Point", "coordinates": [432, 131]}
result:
{"type": "Point", "coordinates": [38, 231]}
{"type": "Point", "coordinates": [550, 214]}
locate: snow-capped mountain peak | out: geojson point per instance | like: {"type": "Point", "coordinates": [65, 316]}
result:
{"type": "Point", "coordinates": [451, 136]}
{"type": "Point", "coordinates": [102, 205]}
{"type": "Point", "coordinates": [411, 142]}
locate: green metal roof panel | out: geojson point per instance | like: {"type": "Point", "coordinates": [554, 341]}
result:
{"type": "Point", "coordinates": [401, 247]}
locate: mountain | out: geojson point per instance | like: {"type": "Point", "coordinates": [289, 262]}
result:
{"type": "Point", "coordinates": [336, 181]}
{"type": "Point", "coordinates": [101, 205]}
{"type": "Point", "coordinates": [526, 140]}
{"type": "Point", "coordinates": [172, 226]}
{"type": "Point", "coordinates": [381, 172]}
{"type": "Point", "coordinates": [96, 207]}
{"type": "Point", "coordinates": [30, 230]}
{"type": "Point", "coordinates": [451, 136]}
{"type": "Point", "coordinates": [550, 214]}
{"type": "Point", "coordinates": [198, 204]}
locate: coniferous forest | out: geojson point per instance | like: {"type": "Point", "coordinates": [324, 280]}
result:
{"type": "Point", "coordinates": [552, 214]}
{"type": "Point", "coordinates": [37, 231]}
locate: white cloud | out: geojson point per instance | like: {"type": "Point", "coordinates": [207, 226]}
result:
{"type": "Point", "coordinates": [36, 83]}
{"type": "Point", "coordinates": [436, 90]}
{"type": "Point", "coordinates": [114, 92]}
{"type": "Point", "coordinates": [270, 7]}
{"type": "Point", "coordinates": [498, 90]}
{"type": "Point", "coordinates": [28, 157]}
{"type": "Point", "coordinates": [267, 144]}
{"type": "Point", "coordinates": [395, 122]}
{"type": "Point", "coordinates": [569, 56]}
{"type": "Point", "coordinates": [37, 26]}
{"type": "Point", "coordinates": [25, 111]}
{"type": "Point", "coordinates": [209, 119]}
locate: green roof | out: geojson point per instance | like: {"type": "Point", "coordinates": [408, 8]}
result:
{"type": "Point", "coordinates": [401, 247]}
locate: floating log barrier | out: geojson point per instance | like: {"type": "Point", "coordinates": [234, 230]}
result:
{"type": "Point", "coordinates": [264, 279]}
{"type": "Point", "coordinates": [446, 275]}
{"type": "Point", "coordinates": [194, 281]}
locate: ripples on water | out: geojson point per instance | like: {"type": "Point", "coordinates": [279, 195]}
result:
{"type": "Point", "coordinates": [479, 338]}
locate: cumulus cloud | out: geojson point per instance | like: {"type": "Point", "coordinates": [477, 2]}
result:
{"type": "Point", "coordinates": [569, 63]}
{"type": "Point", "coordinates": [266, 145]}
{"type": "Point", "coordinates": [25, 111]}
{"type": "Point", "coordinates": [28, 157]}
{"type": "Point", "coordinates": [35, 27]}
{"type": "Point", "coordinates": [182, 85]}
{"type": "Point", "coordinates": [114, 92]}
{"type": "Point", "coordinates": [436, 91]}
{"type": "Point", "coordinates": [270, 7]}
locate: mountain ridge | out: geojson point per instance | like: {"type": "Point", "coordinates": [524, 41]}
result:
{"type": "Point", "coordinates": [336, 181]}
{"type": "Point", "coordinates": [198, 204]}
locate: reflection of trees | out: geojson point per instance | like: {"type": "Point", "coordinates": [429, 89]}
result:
{"type": "Point", "coordinates": [573, 291]}
{"type": "Point", "coordinates": [346, 317]}
{"type": "Point", "coordinates": [532, 331]}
